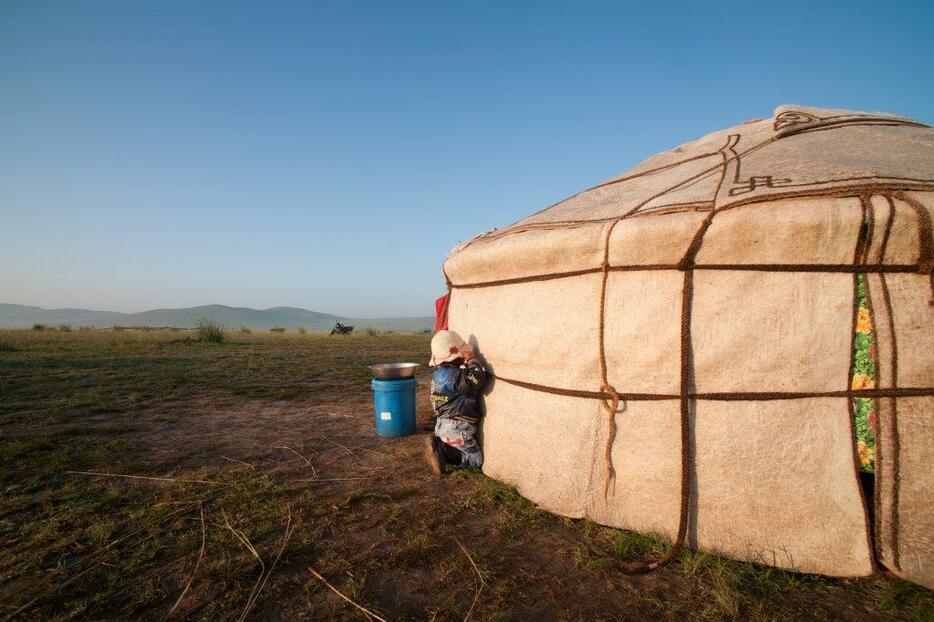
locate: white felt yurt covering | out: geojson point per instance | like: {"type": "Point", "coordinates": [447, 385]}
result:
{"type": "Point", "coordinates": [711, 289]}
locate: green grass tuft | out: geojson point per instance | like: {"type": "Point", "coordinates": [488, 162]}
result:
{"type": "Point", "coordinates": [904, 599]}
{"type": "Point", "coordinates": [277, 329]}
{"type": "Point", "coordinates": [38, 327]}
{"type": "Point", "coordinates": [210, 330]}
{"type": "Point", "coordinates": [418, 551]}
{"type": "Point", "coordinates": [633, 546]}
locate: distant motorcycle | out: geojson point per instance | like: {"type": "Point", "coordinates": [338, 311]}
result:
{"type": "Point", "coordinates": [340, 329]}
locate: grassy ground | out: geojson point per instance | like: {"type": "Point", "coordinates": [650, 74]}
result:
{"type": "Point", "coordinates": [271, 471]}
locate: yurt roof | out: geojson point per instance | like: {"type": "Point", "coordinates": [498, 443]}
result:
{"type": "Point", "coordinates": [799, 152]}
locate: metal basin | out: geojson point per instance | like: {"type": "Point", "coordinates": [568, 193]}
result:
{"type": "Point", "coordinates": [389, 371]}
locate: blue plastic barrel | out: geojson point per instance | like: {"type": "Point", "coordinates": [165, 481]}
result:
{"type": "Point", "coordinates": [394, 402]}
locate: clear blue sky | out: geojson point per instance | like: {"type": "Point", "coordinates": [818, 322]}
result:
{"type": "Point", "coordinates": [328, 155]}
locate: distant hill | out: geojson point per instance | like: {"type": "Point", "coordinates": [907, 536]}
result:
{"type": "Point", "coordinates": [24, 316]}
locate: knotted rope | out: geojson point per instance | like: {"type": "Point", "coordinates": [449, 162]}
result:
{"type": "Point", "coordinates": [611, 406]}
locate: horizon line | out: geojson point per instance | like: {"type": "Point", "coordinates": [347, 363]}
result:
{"type": "Point", "coordinates": [336, 315]}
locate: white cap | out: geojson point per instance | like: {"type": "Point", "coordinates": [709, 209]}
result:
{"type": "Point", "coordinates": [446, 346]}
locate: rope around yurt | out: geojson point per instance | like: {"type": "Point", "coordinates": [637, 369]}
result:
{"type": "Point", "coordinates": [610, 398]}
{"type": "Point", "coordinates": [686, 265]}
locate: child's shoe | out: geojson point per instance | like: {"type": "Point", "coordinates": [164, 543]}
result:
{"type": "Point", "coordinates": [434, 455]}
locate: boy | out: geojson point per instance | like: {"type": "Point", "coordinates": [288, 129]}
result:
{"type": "Point", "coordinates": [456, 385]}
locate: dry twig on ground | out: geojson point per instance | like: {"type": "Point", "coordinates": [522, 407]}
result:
{"type": "Point", "coordinates": [197, 564]}
{"type": "Point", "coordinates": [263, 575]}
{"type": "Point", "coordinates": [289, 528]}
{"type": "Point", "coordinates": [307, 461]}
{"type": "Point", "coordinates": [335, 590]}
{"type": "Point", "coordinates": [245, 541]}
{"type": "Point", "coordinates": [344, 447]}
{"type": "Point", "coordinates": [251, 466]}
{"type": "Point", "coordinates": [350, 450]}
{"type": "Point", "coordinates": [156, 479]}
{"type": "Point", "coordinates": [329, 479]}
{"type": "Point", "coordinates": [479, 576]}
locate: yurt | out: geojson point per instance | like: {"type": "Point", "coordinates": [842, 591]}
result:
{"type": "Point", "coordinates": [674, 349]}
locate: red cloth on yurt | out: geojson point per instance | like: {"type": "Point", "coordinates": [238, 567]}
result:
{"type": "Point", "coordinates": [441, 313]}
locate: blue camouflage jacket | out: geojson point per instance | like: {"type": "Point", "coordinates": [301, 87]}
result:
{"type": "Point", "coordinates": [455, 391]}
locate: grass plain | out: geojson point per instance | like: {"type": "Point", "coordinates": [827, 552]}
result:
{"type": "Point", "coordinates": [265, 472]}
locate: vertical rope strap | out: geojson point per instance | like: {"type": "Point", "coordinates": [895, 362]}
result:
{"type": "Point", "coordinates": [894, 436]}
{"type": "Point", "coordinates": [611, 406]}
{"type": "Point", "coordinates": [880, 456]}
{"type": "Point", "coordinates": [925, 240]}
{"type": "Point", "coordinates": [686, 265]}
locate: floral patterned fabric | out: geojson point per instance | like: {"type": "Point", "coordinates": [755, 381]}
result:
{"type": "Point", "coordinates": [864, 377]}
